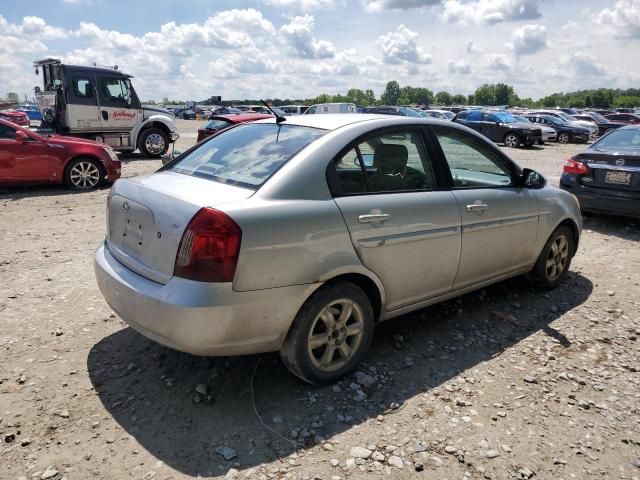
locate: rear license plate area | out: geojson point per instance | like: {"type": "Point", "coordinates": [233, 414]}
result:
{"type": "Point", "coordinates": [617, 178]}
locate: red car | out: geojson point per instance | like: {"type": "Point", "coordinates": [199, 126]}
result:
{"type": "Point", "coordinates": [26, 157]}
{"type": "Point", "coordinates": [15, 116]}
{"type": "Point", "coordinates": [628, 118]}
{"type": "Point", "coordinates": [219, 122]}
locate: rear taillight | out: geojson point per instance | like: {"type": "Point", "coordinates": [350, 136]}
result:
{"type": "Point", "coordinates": [209, 248]}
{"type": "Point", "coordinates": [575, 167]}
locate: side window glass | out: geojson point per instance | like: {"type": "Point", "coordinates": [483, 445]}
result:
{"type": "Point", "coordinates": [82, 88]}
{"type": "Point", "coordinates": [391, 162]}
{"type": "Point", "coordinates": [472, 164]}
{"type": "Point", "coordinates": [6, 132]}
{"type": "Point", "coordinates": [116, 90]}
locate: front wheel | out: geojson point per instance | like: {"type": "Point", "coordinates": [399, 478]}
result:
{"type": "Point", "coordinates": [552, 265]}
{"type": "Point", "coordinates": [83, 174]}
{"type": "Point", "coordinates": [330, 334]}
{"type": "Point", "coordinates": [564, 137]}
{"type": "Point", "coordinates": [154, 142]}
{"type": "Point", "coordinates": [512, 140]}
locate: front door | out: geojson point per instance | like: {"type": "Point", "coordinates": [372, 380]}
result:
{"type": "Point", "coordinates": [22, 161]}
{"type": "Point", "coordinates": [499, 218]}
{"type": "Point", "coordinates": [402, 229]}
{"type": "Point", "coordinates": [81, 106]}
{"type": "Point", "coordinates": [120, 109]}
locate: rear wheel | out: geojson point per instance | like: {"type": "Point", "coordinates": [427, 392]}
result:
{"type": "Point", "coordinates": [154, 142]}
{"type": "Point", "coordinates": [330, 334]}
{"type": "Point", "coordinates": [564, 137]}
{"type": "Point", "coordinates": [512, 140]}
{"type": "Point", "coordinates": [552, 265]}
{"type": "Point", "coordinates": [83, 174]}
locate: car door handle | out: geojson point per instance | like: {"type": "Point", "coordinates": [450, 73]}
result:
{"type": "Point", "coordinates": [477, 207]}
{"type": "Point", "coordinates": [374, 217]}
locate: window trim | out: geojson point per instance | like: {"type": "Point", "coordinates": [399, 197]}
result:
{"type": "Point", "coordinates": [107, 94]}
{"type": "Point", "coordinates": [335, 186]}
{"type": "Point", "coordinates": [511, 166]}
{"type": "Point", "coordinates": [76, 90]}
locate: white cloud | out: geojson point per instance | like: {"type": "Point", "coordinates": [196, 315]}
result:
{"type": "Point", "coordinates": [473, 47]}
{"type": "Point", "coordinates": [490, 11]}
{"type": "Point", "coordinates": [528, 39]}
{"type": "Point", "coordinates": [585, 65]}
{"type": "Point", "coordinates": [380, 5]}
{"type": "Point", "coordinates": [623, 19]}
{"type": "Point", "coordinates": [301, 5]}
{"type": "Point", "coordinates": [400, 46]}
{"type": "Point", "coordinates": [34, 28]}
{"type": "Point", "coordinates": [458, 67]}
{"type": "Point", "coordinates": [298, 35]}
{"type": "Point", "coordinates": [498, 61]}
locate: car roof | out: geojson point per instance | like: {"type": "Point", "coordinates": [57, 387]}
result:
{"type": "Point", "coordinates": [334, 121]}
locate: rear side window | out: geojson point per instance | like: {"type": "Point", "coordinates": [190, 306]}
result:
{"type": "Point", "coordinates": [247, 155]}
{"type": "Point", "coordinates": [82, 88]}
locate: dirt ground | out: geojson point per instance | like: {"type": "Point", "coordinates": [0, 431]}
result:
{"type": "Point", "coordinates": [506, 383]}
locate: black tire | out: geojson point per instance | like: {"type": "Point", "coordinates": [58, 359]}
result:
{"type": "Point", "coordinates": [302, 359]}
{"type": "Point", "coordinates": [83, 174]}
{"type": "Point", "coordinates": [564, 138]}
{"type": "Point", "coordinates": [547, 273]}
{"type": "Point", "coordinates": [154, 142]}
{"type": "Point", "coordinates": [512, 140]}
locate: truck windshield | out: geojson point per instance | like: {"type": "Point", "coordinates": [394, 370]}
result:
{"type": "Point", "coordinates": [247, 155]}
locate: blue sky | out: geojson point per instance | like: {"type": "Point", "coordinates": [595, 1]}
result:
{"type": "Point", "coordinates": [301, 48]}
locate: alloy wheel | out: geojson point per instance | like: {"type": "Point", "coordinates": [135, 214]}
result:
{"type": "Point", "coordinates": [557, 257]}
{"type": "Point", "coordinates": [84, 175]}
{"type": "Point", "coordinates": [511, 141]}
{"type": "Point", "coordinates": [563, 137]}
{"type": "Point", "coordinates": [335, 335]}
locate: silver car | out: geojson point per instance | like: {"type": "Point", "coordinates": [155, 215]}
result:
{"type": "Point", "coordinates": [301, 235]}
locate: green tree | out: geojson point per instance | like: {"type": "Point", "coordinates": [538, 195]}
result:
{"type": "Point", "coordinates": [391, 93]}
{"type": "Point", "coordinates": [627, 101]}
{"type": "Point", "coordinates": [485, 95]}
{"type": "Point", "coordinates": [13, 97]}
{"type": "Point", "coordinates": [370, 96]}
{"type": "Point", "coordinates": [357, 96]}
{"type": "Point", "coordinates": [422, 96]}
{"type": "Point", "coordinates": [459, 99]}
{"type": "Point", "coordinates": [443, 98]}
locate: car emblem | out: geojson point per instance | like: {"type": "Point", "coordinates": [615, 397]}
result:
{"type": "Point", "coordinates": [126, 206]}
{"type": "Point", "coordinates": [620, 162]}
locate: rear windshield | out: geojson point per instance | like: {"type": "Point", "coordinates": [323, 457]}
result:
{"type": "Point", "coordinates": [216, 124]}
{"type": "Point", "coordinates": [624, 139]}
{"type": "Point", "coordinates": [247, 155]}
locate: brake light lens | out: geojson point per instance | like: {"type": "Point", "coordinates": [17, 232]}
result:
{"type": "Point", "coordinates": [575, 167]}
{"type": "Point", "coordinates": [209, 248]}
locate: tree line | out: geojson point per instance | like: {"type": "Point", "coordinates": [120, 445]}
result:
{"type": "Point", "coordinates": [497, 94]}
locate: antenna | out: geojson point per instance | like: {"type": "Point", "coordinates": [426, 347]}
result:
{"type": "Point", "coordinates": [279, 118]}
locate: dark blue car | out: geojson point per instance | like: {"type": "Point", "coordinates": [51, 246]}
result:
{"type": "Point", "coordinates": [32, 111]}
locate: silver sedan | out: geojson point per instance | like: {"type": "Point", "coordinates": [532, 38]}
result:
{"type": "Point", "coordinates": [301, 235]}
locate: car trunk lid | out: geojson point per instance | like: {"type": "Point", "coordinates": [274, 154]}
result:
{"type": "Point", "coordinates": [146, 217]}
{"type": "Point", "coordinates": [616, 171]}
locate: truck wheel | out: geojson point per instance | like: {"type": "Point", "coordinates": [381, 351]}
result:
{"type": "Point", "coordinates": [83, 174]}
{"type": "Point", "coordinates": [511, 140]}
{"type": "Point", "coordinates": [154, 142]}
{"type": "Point", "coordinates": [330, 334]}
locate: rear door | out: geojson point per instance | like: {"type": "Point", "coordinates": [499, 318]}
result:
{"type": "Point", "coordinates": [499, 218]}
{"type": "Point", "coordinates": [402, 227]}
{"type": "Point", "coordinates": [81, 112]}
{"type": "Point", "coordinates": [120, 109]}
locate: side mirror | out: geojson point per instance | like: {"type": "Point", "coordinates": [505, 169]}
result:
{"type": "Point", "coordinates": [533, 179]}
{"type": "Point", "coordinates": [22, 137]}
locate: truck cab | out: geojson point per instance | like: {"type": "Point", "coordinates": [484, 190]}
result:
{"type": "Point", "coordinates": [101, 104]}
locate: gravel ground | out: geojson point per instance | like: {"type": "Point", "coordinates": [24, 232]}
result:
{"type": "Point", "coordinates": [508, 382]}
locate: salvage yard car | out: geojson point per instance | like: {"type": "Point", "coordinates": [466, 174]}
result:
{"type": "Point", "coordinates": [566, 132]}
{"type": "Point", "coordinates": [29, 158]}
{"type": "Point", "coordinates": [606, 177]}
{"type": "Point", "coordinates": [301, 234]}
{"type": "Point", "coordinates": [501, 127]}
{"type": "Point", "coordinates": [219, 122]}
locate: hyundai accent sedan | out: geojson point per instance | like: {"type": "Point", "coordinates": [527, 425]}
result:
{"type": "Point", "coordinates": [301, 235]}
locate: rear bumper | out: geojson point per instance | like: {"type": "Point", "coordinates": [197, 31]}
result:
{"type": "Point", "coordinates": [599, 201]}
{"type": "Point", "coordinates": [196, 317]}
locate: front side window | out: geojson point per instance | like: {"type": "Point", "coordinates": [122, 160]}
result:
{"type": "Point", "coordinates": [472, 164]}
{"type": "Point", "coordinates": [247, 155]}
{"type": "Point", "coordinates": [116, 90]}
{"type": "Point", "coordinates": [389, 162]}
{"type": "Point", "coordinates": [82, 88]}
{"type": "Point", "coordinates": [6, 132]}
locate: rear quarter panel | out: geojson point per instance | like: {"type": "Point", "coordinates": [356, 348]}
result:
{"type": "Point", "coordinates": [555, 207]}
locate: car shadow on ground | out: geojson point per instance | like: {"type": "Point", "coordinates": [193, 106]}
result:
{"type": "Point", "coordinates": [20, 192]}
{"type": "Point", "coordinates": [152, 391]}
{"type": "Point", "coordinates": [622, 227]}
